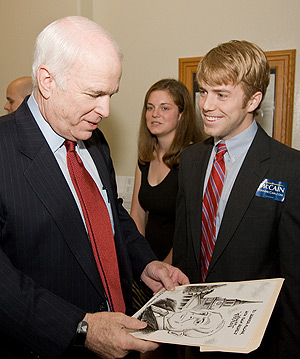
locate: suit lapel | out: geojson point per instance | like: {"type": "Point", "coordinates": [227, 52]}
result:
{"type": "Point", "coordinates": [101, 165]}
{"type": "Point", "coordinates": [198, 170]}
{"type": "Point", "coordinates": [50, 186]}
{"type": "Point", "coordinates": [249, 177]}
{"type": "Point", "coordinates": [95, 145]}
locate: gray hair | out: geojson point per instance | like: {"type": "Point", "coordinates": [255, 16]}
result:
{"type": "Point", "coordinates": [60, 44]}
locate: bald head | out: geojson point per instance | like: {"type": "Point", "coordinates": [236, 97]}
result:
{"type": "Point", "coordinates": [65, 42]}
{"type": "Point", "coordinates": [16, 91]}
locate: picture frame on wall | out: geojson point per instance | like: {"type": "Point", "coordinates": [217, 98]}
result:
{"type": "Point", "coordinates": [276, 113]}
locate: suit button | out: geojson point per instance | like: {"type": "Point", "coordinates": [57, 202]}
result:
{"type": "Point", "coordinates": [102, 307]}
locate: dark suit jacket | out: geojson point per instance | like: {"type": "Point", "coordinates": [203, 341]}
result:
{"type": "Point", "coordinates": [258, 238]}
{"type": "Point", "coordinates": [49, 278]}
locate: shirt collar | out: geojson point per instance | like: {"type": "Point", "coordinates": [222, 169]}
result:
{"type": "Point", "coordinates": [239, 144]}
{"type": "Point", "coordinates": [54, 140]}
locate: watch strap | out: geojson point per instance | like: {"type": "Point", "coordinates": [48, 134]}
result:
{"type": "Point", "coordinates": [81, 333]}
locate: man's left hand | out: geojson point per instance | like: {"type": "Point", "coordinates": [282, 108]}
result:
{"type": "Point", "coordinates": [157, 275]}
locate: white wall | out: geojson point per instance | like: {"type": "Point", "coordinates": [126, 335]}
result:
{"type": "Point", "coordinates": [20, 23]}
{"type": "Point", "coordinates": [153, 35]}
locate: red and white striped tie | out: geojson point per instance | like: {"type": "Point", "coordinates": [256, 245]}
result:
{"type": "Point", "coordinates": [210, 206]}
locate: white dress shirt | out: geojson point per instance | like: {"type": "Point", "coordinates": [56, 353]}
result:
{"type": "Point", "coordinates": [56, 144]}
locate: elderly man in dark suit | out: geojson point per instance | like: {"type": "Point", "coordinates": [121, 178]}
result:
{"type": "Point", "coordinates": [68, 249]}
{"type": "Point", "coordinates": [238, 214]}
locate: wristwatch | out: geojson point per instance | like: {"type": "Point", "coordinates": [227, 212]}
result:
{"type": "Point", "coordinates": [81, 334]}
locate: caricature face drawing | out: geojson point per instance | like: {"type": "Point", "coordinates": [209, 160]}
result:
{"type": "Point", "coordinates": [194, 324]}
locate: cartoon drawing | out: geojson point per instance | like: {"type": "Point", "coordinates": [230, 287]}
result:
{"type": "Point", "coordinates": [186, 322]}
{"type": "Point", "coordinates": [228, 316]}
{"type": "Point", "coordinates": [196, 316]}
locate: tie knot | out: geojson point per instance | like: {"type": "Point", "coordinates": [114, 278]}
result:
{"type": "Point", "coordinates": [70, 145]}
{"type": "Point", "coordinates": [221, 149]}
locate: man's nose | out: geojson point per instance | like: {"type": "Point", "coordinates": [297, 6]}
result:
{"type": "Point", "coordinates": [102, 106]}
{"type": "Point", "coordinates": [7, 107]}
{"type": "Point", "coordinates": [207, 103]}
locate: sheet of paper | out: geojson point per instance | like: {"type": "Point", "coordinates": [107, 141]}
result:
{"type": "Point", "coordinates": [125, 189]}
{"type": "Point", "coordinates": [218, 316]}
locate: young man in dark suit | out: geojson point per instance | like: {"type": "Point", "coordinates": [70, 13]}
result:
{"type": "Point", "coordinates": [66, 266]}
{"type": "Point", "coordinates": [251, 228]}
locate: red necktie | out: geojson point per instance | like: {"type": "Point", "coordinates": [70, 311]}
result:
{"type": "Point", "coordinates": [99, 228]}
{"type": "Point", "coordinates": [210, 206]}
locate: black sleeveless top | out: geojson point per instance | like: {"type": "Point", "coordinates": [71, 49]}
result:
{"type": "Point", "coordinates": [160, 203]}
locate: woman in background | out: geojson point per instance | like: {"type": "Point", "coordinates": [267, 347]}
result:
{"type": "Point", "coordinates": [168, 125]}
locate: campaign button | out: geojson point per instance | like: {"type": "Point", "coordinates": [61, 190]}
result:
{"type": "Point", "coordinates": [272, 189]}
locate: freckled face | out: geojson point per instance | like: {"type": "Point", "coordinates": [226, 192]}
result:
{"type": "Point", "coordinates": [223, 110]}
{"type": "Point", "coordinates": [162, 114]}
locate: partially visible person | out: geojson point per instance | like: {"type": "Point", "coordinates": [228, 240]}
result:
{"type": "Point", "coordinates": [68, 248]}
{"type": "Point", "coordinates": [238, 214]}
{"type": "Point", "coordinates": [168, 125]}
{"type": "Point", "coordinates": [16, 92]}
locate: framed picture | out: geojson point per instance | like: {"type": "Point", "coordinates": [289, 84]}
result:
{"type": "Point", "coordinates": [276, 113]}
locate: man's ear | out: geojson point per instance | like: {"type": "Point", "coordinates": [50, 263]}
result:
{"type": "Point", "coordinates": [45, 81]}
{"type": "Point", "coordinates": [254, 101]}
